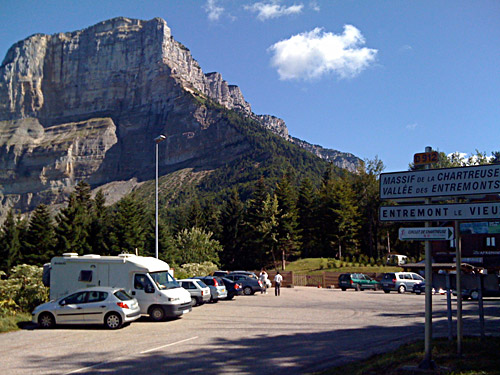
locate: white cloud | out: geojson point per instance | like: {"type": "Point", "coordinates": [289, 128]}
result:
{"type": "Point", "coordinates": [272, 9]}
{"type": "Point", "coordinates": [314, 5]}
{"type": "Point", "coordinates": [412, 126]}
{"type": "Point", "coordinates": [312, 54]}
{"type": "Point", "coordinates": [213, 10]}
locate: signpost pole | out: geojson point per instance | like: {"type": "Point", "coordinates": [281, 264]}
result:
{"type": "Point", "coordinates": [428, 363]}
{"type": "Point", "coordinates": [458, 260]}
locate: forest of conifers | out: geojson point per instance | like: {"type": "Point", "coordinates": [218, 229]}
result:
{"type": "Point", "coordinates": [291, 218]}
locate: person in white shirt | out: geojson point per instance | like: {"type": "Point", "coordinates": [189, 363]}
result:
{"type": "Point", "coordinates": [263, 279]}
{"type": "Point", "coordinates": [277, 284]}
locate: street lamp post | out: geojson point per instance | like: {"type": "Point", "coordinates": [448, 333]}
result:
{"type": "Point", "coordinates": [157, 140]}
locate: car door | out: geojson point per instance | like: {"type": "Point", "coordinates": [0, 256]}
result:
{"type": "Point", "coordinates": [417, 279]}
{"type": "Point", "coordinates": [96, 307]}
{"type": "Point", "coordinates": [408, 281]}
{"type": "Point", "coordinates": [70, 310]}
{"type": "Point", "coordinates": [363, 281]}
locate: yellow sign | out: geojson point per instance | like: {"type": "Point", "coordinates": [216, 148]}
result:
{"type": "Point", "coordinates": [425, 158]}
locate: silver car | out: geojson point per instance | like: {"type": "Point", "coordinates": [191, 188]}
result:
{"type": "Point", "coordinates": [400, 281]}
{"type": "Point", "coordinates": [200, 292]}
{"type": "Point", "coordinates": [217, 288]}
{"type": "Point", "coordinates": [112, 307]}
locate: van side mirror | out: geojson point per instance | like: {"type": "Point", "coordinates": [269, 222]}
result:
{"type": "Point", "coordinates": [149, 288]}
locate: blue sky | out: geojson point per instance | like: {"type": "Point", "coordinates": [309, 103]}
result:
{"type": "Point", "coordinates": [374, 78]}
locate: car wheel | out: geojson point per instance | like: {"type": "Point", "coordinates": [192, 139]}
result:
{"type": "Point", "coordinates": [358, 287]}
{"type": "Point", "coordinates": [230, 297]}
{"type": "Point", "coordinates": [194, 301]}
{"type": "Point", "coordinates": [401, 289]}
{"type": "Point", "coordinates": [156, 314]}
{"type": "Point", "coordinates": [418, 291]}
{"type": "Point", "coordinates": [474, 295]}
{"type": "Point", "coordinates": [386, 291]}
{"type": "Point", "coordinates": [247, 291]}
{"type": "Point", "coordinates": [343, 289]}
{"type": "Point", "coordinates": [46, 320]}
{"type": "Point", "coordinates": [113, 321]}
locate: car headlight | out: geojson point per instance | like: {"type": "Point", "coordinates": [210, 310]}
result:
{"type": "Point", "coordinates": [173, 299]}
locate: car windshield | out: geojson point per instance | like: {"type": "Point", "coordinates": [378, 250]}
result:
{"type": "Point", "coordinates": [164, 280]}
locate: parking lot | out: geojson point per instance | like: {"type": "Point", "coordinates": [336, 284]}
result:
{"type": "Point", "coordinates": [303, 330]}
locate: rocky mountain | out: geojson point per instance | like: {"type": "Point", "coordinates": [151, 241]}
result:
{"type": "Point", "coordinates": [87, 105]}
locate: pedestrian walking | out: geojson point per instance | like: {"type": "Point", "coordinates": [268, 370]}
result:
{"type": "Point", "coordinates": [277, 284]}
{"type": "Point", "coordinates": [263, 279]}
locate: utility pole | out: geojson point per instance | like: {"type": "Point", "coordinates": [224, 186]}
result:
{"type": "Point", "coordinates": [157, 140]}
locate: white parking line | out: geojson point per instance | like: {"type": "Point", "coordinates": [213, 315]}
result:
{"type": "Point", "coordinates": [171, 344]}
{"type": "Point", "coordinates": [143, 352]}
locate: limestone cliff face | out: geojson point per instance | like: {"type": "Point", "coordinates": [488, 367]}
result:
{"type": "Point", "coordinates": [87, 105]}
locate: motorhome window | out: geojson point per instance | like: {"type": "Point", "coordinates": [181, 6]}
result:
{"type": "Point", "coordinates": [85, 276]}
{"type": "Point", "coordinates": [164, 280]}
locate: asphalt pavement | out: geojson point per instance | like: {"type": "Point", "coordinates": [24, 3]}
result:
{"type": "Point", "coordinates": [302, 331]}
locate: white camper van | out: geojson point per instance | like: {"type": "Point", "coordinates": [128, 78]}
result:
{"type": "Point", "coordinates": [147, 279]}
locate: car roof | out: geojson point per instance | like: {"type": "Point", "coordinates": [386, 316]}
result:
{"type": "Point", "coordinates": [98, 288]}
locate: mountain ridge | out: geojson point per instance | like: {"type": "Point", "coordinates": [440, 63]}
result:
{"type": "Point", "coordinates": [86, 105]}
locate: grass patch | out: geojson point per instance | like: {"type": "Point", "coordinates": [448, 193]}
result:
{"type": "Point", "coordinates": [478, 358]}
{"type": "Point", "coordinates": [312, 266]}
{"type": "Point", "coordinates": [13, 322]}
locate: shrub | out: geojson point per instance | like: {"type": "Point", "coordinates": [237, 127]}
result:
{"type": "Point", "coordinates": [23, 290]}
{"type": "Point", "coordinates": [323, 264]}
{"type": "Point", "coordinates": [197, 269]}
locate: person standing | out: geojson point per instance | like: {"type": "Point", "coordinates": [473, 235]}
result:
{"type": "Point", "coordinates": [263, 279]}
{"type": "Point", "coordinates": [277, 284]}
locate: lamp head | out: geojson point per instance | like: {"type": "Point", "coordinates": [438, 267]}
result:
{"type": "Point", "coordinates": [160, 138]}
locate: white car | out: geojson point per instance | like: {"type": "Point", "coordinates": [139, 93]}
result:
{"type": "Point", "coordinates": [112, 307]}
{"type": "Point", "coordinates": [200, 292]}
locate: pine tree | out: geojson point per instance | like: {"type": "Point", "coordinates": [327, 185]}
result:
{"type": "Point", "coordinates": [251, 241]}
{"type": "Point", "coordinates": [268, 231]}
{"type": "Point", "coordinates": [288, 232]}
{"type": "Point", "coordinates": [347, 216]}
{"type": "Point", "coordinates": [10, 245]}
{"type": "Point", "coordinates": [307, 222]}
{"type": "Point", "coordinates": [40, 240]}
{"type": "Point", "coordinates": [366, 186]}
{"type": "Point", "coordinates": [230, 222]}
{"type": "Point", "coordinates": [326, 218]}
{"type": "Point", "coordinates": [73, 222]}
{"type": "Point", "coordinates": [194, 216]}
{"type": "Point", "coordinates": [128, 227]}
{"type": "Point", "coordinates": [98, 238]}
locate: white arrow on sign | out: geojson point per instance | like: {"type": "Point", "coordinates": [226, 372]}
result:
{"type": "Point", "coordinates": [424, 234]}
